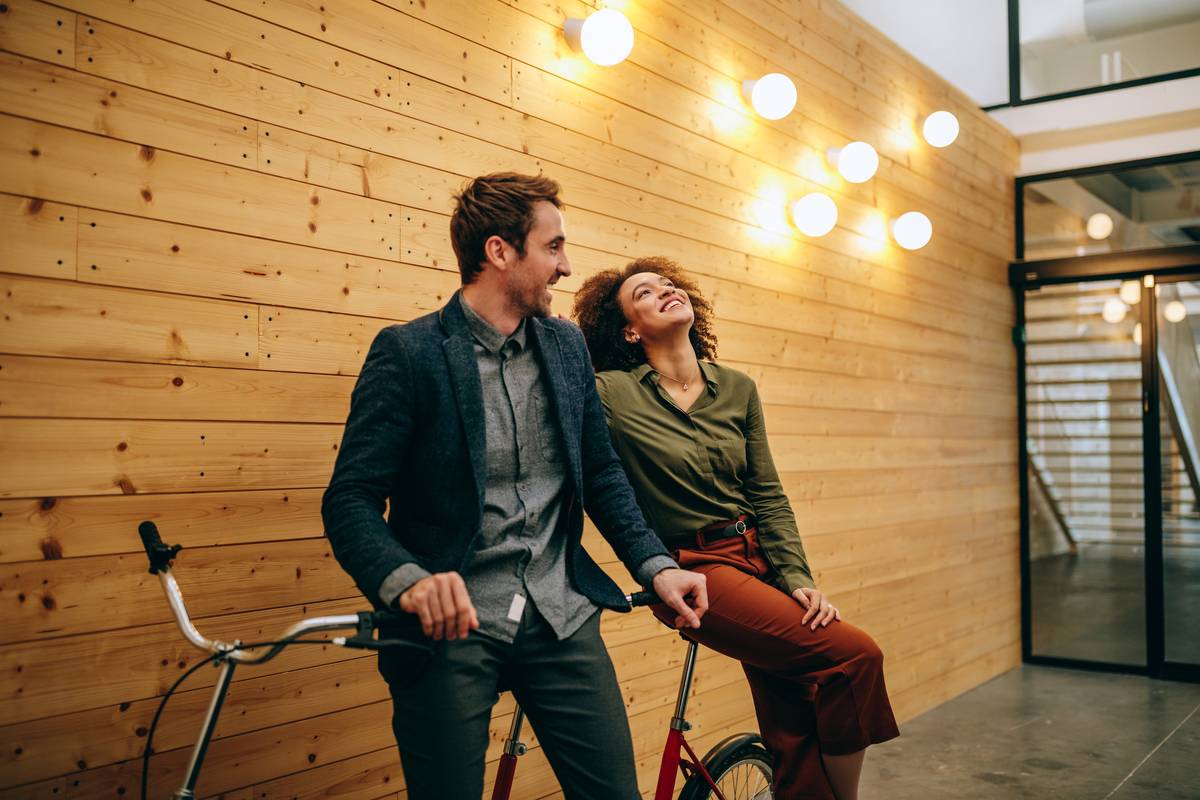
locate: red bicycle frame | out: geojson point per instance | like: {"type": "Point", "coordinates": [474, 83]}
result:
{"type": "Point", "coordinates": [673, 763]}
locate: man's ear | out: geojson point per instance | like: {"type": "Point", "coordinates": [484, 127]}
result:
{"type": "Point", "coordinates": [496, 252]}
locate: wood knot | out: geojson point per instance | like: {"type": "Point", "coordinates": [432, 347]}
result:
{"type": "Point", "coordinates": [312, 227]}
{"type": "Point", "coordinates": [174, 248]}
{"type": "Point", "coordinates": [48, 602]}
{"type": "Point", "coordinates": [316, 201]}
{"type": "Point", "coordinates": [146, 195]}
{"type": "Point", "coordinates": [51, 549]}
{"type": "Point", "coordinates": [177, 381]}
{"type": "Point", "coordinates": [35, 205]}
{"type": "Point", "coordinates": [126, 485]}
{"type": "Point", "coordinates": [48, 503]}
{"type": "Point", "coordinates": [35, 152]}
{"type": "Point", "coordinates": [146, 152]}
{"type": "Point", "coordinates": [122, 447]}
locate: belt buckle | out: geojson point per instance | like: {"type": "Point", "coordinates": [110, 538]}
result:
{"type": "Point", "coordinates": [740, 527]}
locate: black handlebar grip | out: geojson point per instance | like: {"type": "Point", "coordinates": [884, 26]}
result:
{"type": "Point", "coordinates": [149, 533]}
{"type": "Point", "coordinates": [160, 554]}
{"type": "Point", "coordinates": [643, 599]}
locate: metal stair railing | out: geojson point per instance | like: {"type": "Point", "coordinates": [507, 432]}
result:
{"type": "Point", "coordinates": [1039, 474]}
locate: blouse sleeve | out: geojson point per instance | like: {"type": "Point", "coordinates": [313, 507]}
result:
{"type": "Point", "coordinates": [777, 530]}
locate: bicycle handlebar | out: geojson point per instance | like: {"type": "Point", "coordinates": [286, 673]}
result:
{"type": "Point", "coordinates": [365, 623]}
{"type": "Point", "coordinates": [642, 599]}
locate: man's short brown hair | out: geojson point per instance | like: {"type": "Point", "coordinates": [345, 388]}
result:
{"type": "Point", "coordinates": [500, 204]}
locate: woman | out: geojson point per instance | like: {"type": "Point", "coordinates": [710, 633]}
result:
{"type": "Point", "coordinates": [690, 433]}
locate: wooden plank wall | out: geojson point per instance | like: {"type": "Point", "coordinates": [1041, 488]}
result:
{"type": "Point", "coordinates": [207, 210]}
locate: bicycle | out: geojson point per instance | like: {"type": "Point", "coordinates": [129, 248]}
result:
{"type": "Point", "coordinates": [736, 768]}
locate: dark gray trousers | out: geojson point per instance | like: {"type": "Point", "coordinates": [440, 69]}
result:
{"type": "Point", "coordinates": [567, 688]}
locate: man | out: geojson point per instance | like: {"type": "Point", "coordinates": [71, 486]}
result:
{"type": "Point", "coordinates": [481, 426]}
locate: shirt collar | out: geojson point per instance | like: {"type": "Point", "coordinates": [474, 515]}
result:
{"type": "Point", "coordinates": [645, 372]}
{"type": "Point", "coordinates": [488, 337]}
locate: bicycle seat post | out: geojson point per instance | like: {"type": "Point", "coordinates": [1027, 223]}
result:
{"type": "Point", "coordinates": [513, 749]}
{"type": "Point", "coordinates": [685, 688]}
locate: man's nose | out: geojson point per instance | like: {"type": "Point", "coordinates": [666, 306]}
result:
{"type": "Point", "coordinates": [564, 266]}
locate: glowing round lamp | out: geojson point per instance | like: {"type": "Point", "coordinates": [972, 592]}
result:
{"type": "Point", "coordinates": [1137, 334]}
{"type": "Point", "coordinates": [773, 96]}
{"type": "Point", "coordinates": [940, 128]}
{"type": "Point", "coordinates": [912, 230]}
{"type": "Point", "coordinates": [856, 161]}
{"type": "Point", "coordinates": [605, 37]}
{"type": "Point", "coordinates": [1131, 292]}
{"type": "Point", "coordinates": [1175, 311]}
{"type": "Point", "coordinates": [1099, 225]}
{"type": "Point", "coordinates": [1114, 310]}
{"type": "Point", "coordinates": [815, 214]}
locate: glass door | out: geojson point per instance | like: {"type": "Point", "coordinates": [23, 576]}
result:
{"type": "Point", "coordinates": [1177, 363]}
{"type": "Point", "coordinates": [1086, 542]}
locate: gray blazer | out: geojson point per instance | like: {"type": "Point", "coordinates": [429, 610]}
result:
{"type": "Point", "coordinates": [415, 440]}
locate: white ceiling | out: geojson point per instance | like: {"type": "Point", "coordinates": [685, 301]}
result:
{"type": "Point", "coordinates": [964, 41]}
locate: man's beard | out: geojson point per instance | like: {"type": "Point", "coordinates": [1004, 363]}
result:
{"type": "Point", "coordinates": [530, 301]}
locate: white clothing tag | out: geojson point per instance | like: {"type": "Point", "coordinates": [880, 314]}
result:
{"type": "Point", "coordinates": [517, 607]}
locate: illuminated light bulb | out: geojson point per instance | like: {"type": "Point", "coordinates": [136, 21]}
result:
{"type": "Point", "coordinates": [605, 37]}
{"type": "Point", "coordinates": [912, 230]}
{"type": "Point", "coordinates": [1131, 292]}
{"type": "Point", "coordinates": [856, 161]}
{"type": "Point", "coordinates": [1114, 310]}
{"type": "Point", "coordinates": [940, 128]}
{"type": "Point", "coordinates": [1175, 311]}
{"type": "Point", "coordinates": [1099, 225]}
{"type": "Point", "coordinates": [815, 214]}
{"type": "Point", "coordinates": [773, 96]}
{"type": "Point", "coordinates": [1137, 334]}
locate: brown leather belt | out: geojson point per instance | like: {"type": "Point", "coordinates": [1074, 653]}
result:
{"type": "Point", "coordinates": [724, 530]}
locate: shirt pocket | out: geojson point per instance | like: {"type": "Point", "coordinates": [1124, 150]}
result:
{"type": "Point", "coordinates": [727, 457]}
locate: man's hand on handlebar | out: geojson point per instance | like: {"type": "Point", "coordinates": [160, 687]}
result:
{"type": "Point", "coordinates": [443, 605]}
{"type": "Point", "coordinates": [684, 591]}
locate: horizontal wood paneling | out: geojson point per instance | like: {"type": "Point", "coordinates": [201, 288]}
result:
{"type": "Point", "coordinates": [209, 209]}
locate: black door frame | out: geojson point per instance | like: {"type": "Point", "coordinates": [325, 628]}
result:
{"type": "Point", "coordinates": [1160, 263]}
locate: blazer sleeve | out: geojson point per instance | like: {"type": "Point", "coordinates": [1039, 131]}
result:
{"type": "Point", "coordinates": [607, 496]}
{"type": "Point", "coordinates": [369, 460]}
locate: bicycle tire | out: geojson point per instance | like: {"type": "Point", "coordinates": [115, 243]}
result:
{"type": "Point", "coordinates": [741, 768]}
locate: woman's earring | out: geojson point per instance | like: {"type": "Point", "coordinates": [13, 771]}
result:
{"type": "Point", "coordinates": [635, 339]}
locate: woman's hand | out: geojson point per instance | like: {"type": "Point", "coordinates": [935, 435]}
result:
{"type": "Point", "coordinates": [819, 610]}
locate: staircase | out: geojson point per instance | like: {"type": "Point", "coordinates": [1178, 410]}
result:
{"type": "Point", "coordinates": [1084, 409]}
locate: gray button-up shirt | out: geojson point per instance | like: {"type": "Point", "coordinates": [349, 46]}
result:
{"type": "Point", "coordinates": [518, 553]}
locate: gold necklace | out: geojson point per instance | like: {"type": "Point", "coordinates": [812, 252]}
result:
{"type": "Point", "coordinates": [681, 383]}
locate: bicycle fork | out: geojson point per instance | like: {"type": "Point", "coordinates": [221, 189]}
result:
{"type": "Point", "coordinates": [187, 790]}
{"type": "Point", "coordinates": [513, 749]}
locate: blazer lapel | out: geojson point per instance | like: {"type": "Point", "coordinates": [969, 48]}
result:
{"type": "Point", "coordinates": [468, 391]}
{"type": "Point", "coordinates": [547, 342]}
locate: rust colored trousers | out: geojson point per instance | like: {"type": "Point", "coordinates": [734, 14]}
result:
{"type": "Point", "coordinates": [814, 692]}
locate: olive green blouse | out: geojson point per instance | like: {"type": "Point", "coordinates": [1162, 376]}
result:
{"type": "Point", "coordinates": [710, 463]}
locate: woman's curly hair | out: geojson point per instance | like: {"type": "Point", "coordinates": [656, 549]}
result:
{"type": "Point", "coordinates": [598, 312]}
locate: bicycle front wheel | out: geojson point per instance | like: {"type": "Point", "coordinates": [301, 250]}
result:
{"type": "Point", "coordinates": [741, 769]}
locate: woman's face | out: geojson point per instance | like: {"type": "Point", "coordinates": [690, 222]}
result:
{"type": "Point", "coordinates": [653, 306]}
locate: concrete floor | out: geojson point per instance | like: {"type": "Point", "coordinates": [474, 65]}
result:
{"type": "Point", "coordinates": [1092, 605]}
{"type": "Point", "coordinates": [1041, 732]}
